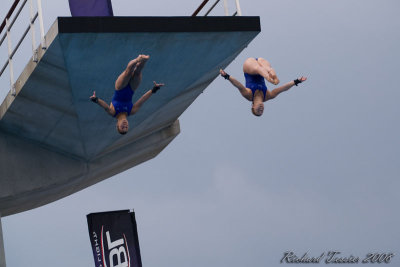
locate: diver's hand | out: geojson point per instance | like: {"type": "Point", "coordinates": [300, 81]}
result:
{"type": "Point", "coordinates": [94, 98]}
{"type": "Point", "coordinates": [156, 87]}
{"type": "Point", "coordinates": [224, 74]}
{"type": "Point", "coordinates": [302, 79]}
{"type": "Point", "coordinates": [158, 84]}
{"type": "Point", "coordinates": [299, 80]}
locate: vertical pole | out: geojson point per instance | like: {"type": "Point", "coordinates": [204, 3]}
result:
{"type": "Point", "coordinates": [226, 7]}
{"type": "Point", "coordinates": [239, 11]}
{"type": "Point", "coordinates": [2, 252]}
{"type": "Point", "coordinates": [32, 27]}
{"type": "Point", "coordinates": [40, 15]}
{"type": "Point", "coordinates": [10, 63]}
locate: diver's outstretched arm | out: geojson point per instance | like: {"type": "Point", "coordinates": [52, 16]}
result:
{"type": "Point", "coordinates": [246, 93]}
{"type": "Point", "coordinates": [274, 93]}
{"type": "Point", "coordinates": [145, 97]}
{"type": "Point", "coordinates": [101, 103]}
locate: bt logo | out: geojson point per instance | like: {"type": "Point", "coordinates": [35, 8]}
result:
{"type": "Point", "coordinates": [117, 251]}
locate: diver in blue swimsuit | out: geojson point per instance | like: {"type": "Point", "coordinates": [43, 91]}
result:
{"type": "Point", "coordinates": [121, 105]}
{"type": "Point", "coordinates": [256, 70]}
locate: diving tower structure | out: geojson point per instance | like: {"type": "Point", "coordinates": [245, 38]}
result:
{"type": "Point", "coordinates": [55, 142]}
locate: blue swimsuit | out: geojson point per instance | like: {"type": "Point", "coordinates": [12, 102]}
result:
{"type": "Point", "coordinates": [256, 82]}
{"type": "Point", "coordinates": [122, 100]}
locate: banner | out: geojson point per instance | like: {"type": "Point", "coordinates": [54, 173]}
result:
{"type": "Point", "coordinates": [114, 239]}
{"type": "Point", "coordinates": [91, 8]}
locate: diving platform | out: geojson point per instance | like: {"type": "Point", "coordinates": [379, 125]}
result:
{"type": "Point", "coordinates": [55, 142]}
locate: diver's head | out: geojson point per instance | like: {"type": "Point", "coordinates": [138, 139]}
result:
{"type": "Point", "coordinates": [122, 125]}
{"type": "Point", "coordinates": [257, 108]}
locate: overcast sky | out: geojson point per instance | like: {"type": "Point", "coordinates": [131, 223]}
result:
{"type": "Point", "coordinates": [319, 171]}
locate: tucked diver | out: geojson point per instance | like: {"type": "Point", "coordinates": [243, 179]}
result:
{"type": "Point", "coordinates": [255, 71]}
{"type": "Point", "coordinates": [121, 105]}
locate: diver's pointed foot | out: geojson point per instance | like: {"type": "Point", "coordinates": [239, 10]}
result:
{"type": "Point", "coordinates": [143, 58]}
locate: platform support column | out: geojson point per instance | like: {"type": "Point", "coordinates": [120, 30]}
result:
{"type": "Point", "coordinates": [238, 9]}
{"type": "Point", "coordinates": [2, 252]}
{"type": "Point", "coordinates": [40, 15]}
{"type": "Point", "coordinates": [32, 27]}
{"type": "Point", "coordinates": [10, 62]}
{"type": "Point", "coordinates": [226, 7]}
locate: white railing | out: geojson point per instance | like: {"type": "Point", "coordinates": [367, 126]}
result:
{"type": "Point", "coordinates": [238, 11]}
{"type": "Point", "coordinates": [7, 25]}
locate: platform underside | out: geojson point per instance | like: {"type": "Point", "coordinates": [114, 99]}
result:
{"type": "Point", "coordinates": [54, 141]}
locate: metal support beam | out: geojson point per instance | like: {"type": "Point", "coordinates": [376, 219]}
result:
{"type": "Point", "coordinates": [8, 16]}
{"type": "Point", "coordinates": [199, 8]}
{"type": "Point", "coordinates": [2, 252]}
{"type": "Point", "coordinates": [211, 8]}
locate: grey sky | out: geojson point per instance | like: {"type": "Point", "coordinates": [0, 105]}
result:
{"type": "Point", "coordinates": [319, 171]}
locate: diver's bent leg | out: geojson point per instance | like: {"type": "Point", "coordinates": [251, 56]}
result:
{"type": "Point", "coordinates": [124, 78]}
{"type": "Point", "coordinates": [136, 77]}
{"type": "Point", "coordinates": [265, 64]}
{"type": "Point", "coordinates": [135, 80]}
{"type": "Point", "coordinates": [252, 67]}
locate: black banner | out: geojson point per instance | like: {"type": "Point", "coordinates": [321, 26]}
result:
{"type": "Point", "coordinates": [114, 239]}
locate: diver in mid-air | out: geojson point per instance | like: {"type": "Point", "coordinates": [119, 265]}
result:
{"type": "Point", "coordinates": [255, 71]}
{"type": "Point", "coordinates": [121, 105]}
